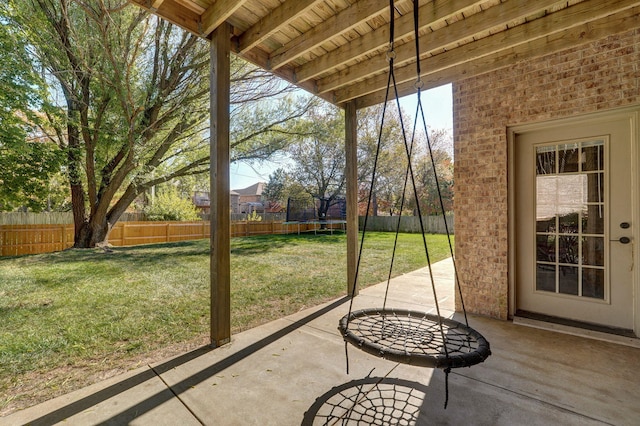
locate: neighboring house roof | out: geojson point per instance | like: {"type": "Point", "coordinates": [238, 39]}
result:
{"type": "Point", "coordinates": [201, 199]}
{"type": "Point", "coordinates": [255, 189]}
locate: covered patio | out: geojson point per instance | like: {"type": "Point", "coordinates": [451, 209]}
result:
{"type": "Point", "coordinates": [292, 371]}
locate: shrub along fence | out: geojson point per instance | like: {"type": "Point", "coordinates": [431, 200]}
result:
{"type": "Point", "coordinates": [34, 238]}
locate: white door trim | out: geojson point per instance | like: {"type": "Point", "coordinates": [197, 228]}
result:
{"type": "Point", "coordinates": [630, 113]}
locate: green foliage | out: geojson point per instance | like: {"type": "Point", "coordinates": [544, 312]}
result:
{"type": "Point", "coordinates": [295, 190]}
{"type": "Point", "coordinates": [282, 186]}
{"type": "Point", "coordinates": [27, 159]}
{"type": "Point", "coordinates": [391, 168]}
{"type": "Point", "coordinates": [168, 205]}
{"type": "Point", "coordinates": [58, 198]}
{"type": "Point", "coordinates": [24, 175]}
{"type": "Point", "coordinates": [274, 190]}
{"type": "Point", "coordinates": [20, 86]}
{"type": "Point", "coordinates": [428, 187]}
{"type": "Point", "coordinates": [254, 217]}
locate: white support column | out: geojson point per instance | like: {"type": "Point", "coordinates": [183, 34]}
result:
{"type": "Point", "coordinates": [351, 150]}
{"type": "Point", "coordinates": [220, 268]}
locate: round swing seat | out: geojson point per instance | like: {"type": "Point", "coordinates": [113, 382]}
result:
{"type": "Point", "coordinates": [415, 338]}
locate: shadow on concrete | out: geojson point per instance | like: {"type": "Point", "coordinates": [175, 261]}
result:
{"type": "Point", "coordinates": [371, 401]}
{"type": "Point", "coordinates": [109, 392]}
{"type": "Point", "coordinates": [159, 398]}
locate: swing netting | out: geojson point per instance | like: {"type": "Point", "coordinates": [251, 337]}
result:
{"type": "Point", "coordinates": [412, 337]}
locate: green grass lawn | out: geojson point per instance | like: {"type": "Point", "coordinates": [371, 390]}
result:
{"type": "Point", "coordinates": [68, 317]}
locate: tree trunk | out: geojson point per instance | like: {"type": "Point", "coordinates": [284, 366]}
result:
{"type": "Point", "coordinates": [73, 170]}
{"type": "Point", "coordinates": [322, 212]}
{"type": "Point", "coordinates": [77, 207]}
{"type": "Point", "coordinates": [375, 204]}
{"type": "Point", "coordinates": [94, 232]}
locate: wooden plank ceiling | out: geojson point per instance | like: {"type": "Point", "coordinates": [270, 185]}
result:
{"type": "Point", "coordinates": [337, 49]}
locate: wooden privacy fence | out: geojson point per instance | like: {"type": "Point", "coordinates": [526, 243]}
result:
{"type": "Point", "coordinates": [55, 218]}
{"type": "Point", "coordinates": [32, 239]}
{"type": "Point", "coordinates": [18, 240]}
{"type": "Point", "coordinates": [410, 224]}
{"type": "Point", "coordinates": [134, 233]}
{"type": "Point", "coordinates": [30, 218]}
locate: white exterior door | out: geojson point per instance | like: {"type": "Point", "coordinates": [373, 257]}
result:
{"type": "Point", "coordinates": [575, 220]}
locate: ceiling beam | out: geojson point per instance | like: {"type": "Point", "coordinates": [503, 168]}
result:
{"type": "Point", "coordinates": [437, 41]}
{"type": "Point", "coordinates": [173, 13]}
{"type": "Point", "coordinates": [271, 23]}
{"type": "Point", "coordinates": [574, 36]}
{"type": "Point", "coordinates": [191, 5]}
{"type": "Point", "coordinates": [155, 4]}
{"type": "Point", "coordinates": [217, 13]}
{"type": "Point", "coordinates": [429, 14]}
{"type": "Point", "coordinates": [332, 27]}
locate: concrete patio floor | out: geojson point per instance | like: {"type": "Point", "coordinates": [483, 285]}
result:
{"type": "Point", "coordinates": [293, 371]}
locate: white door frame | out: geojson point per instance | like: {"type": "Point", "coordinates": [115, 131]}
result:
{"type": "Point", "coordinates": [630, 113]}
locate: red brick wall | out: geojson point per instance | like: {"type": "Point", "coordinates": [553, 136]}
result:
{"type": "Point", "coordinates": [593, 77]}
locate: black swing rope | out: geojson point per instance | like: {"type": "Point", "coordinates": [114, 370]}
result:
{"type": "Point", "coordinates": [377, 338]}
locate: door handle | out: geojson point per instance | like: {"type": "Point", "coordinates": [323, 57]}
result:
{"type": "Point", "coordinates": [624, 240]}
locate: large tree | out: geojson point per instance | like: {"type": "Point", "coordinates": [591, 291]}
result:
{"type": "Point", "coordinates": [132, 94]}
{"type": "Point", "coordinates": [429, 189]}
{"type": "Point", "coordinates": [319, 157]}
{"type": "Point", "coordinates": [391, 158]}
{"type": "Point", "coordinates": [391, 168]}
{"type": "Point", "coordinates": [281, 187]}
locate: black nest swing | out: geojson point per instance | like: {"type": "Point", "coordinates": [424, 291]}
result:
{"type": "Point", "coordinates": [414, 338]}
{"type": "Point", "coordinates": [400, 335]}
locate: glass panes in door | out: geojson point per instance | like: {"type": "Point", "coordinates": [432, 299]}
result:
{"type": "Point", "coordinates": [570, 219]}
